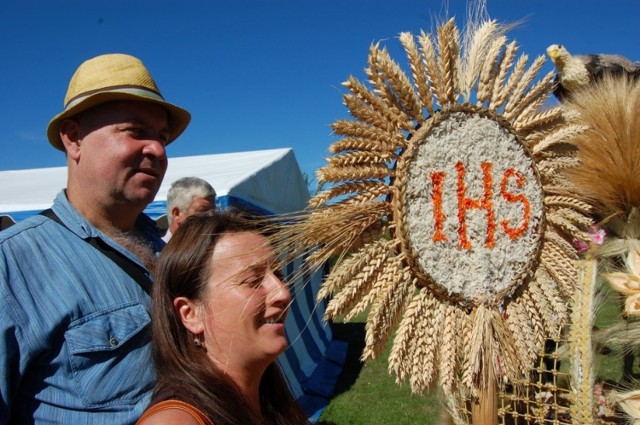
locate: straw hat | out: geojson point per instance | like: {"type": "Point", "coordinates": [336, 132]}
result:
{"type": "Point", "coordinates": [112, 77]}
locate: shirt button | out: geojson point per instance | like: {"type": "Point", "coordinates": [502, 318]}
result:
{"type": "Point", "coordinates": [114, 341]}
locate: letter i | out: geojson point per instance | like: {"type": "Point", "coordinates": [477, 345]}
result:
{"type": "Point", "coordinates": [437, 181]}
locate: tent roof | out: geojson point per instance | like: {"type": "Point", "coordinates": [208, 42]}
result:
{"type": "Point", "coordinates": [270, 179]}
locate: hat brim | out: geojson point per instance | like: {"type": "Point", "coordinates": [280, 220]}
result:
{"type": "Point", "coordinates": [178, 118]}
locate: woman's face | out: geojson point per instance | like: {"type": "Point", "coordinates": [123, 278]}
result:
{"type": "Point", "coordinates": [245, 303]}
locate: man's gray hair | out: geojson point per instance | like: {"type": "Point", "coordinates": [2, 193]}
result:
{"type": "Point", "coordinates": [182, 192]}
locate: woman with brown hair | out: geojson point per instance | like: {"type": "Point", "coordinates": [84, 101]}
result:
{"type": "Point", "coordinates": [218, 325]}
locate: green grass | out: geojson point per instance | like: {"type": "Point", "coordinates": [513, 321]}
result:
{"type": "Point", "coordinates": [610, 364]}
{"type": "Point", "coordinates": [366, 394]}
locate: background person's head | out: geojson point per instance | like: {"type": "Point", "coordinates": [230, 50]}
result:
{"type": "Point", "coordinates": [188, 196]}
{"type": "Point", "coordinates": [114, 129]}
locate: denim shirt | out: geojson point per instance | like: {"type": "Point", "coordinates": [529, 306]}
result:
{"type": "Point", "coordinates": [75, 343]}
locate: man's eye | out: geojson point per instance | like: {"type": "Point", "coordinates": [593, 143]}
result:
{"type": "Point", "coordinates": [135, 132]}
{"type": "Point", "coordinates": [163, 138]}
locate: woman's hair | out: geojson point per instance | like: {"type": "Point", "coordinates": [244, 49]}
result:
{"type": "Point", "coordinates": [185, 370]}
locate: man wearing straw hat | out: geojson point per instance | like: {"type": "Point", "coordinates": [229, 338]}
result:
{"type": "Point", "coordinates": [74, 280]}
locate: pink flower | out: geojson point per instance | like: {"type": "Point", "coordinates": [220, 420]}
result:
{"type": "Point", "coordinates": [597, 236]}
{"type": "Point", "coordinates": [580, 245]}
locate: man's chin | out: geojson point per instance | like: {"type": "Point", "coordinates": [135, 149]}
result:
{"type": "Point", "coordinates": [142, 196]}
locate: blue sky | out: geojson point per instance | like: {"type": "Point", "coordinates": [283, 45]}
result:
{"type": "Point", "coordinates": [255, 74]}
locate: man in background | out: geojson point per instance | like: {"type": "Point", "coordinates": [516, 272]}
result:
{"type": "Point", "coordinates": [188, 196]}
{"type": "Point", "coordinates": [75, 344]}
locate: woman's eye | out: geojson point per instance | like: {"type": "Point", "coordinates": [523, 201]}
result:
{"type": "Point", "coordinates": [253, 281]}
{"type": "Point", "coordinates": [278, 273]}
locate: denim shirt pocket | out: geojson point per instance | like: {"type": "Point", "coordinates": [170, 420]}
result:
{"type": "Point", "coordinates": [109, 353]}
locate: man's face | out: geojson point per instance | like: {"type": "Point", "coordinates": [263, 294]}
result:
{"type": "Point", "coordinates": [198, 205]}
{"type": "Point", "coordinates": [122, 152]}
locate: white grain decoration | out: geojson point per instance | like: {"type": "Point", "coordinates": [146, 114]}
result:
{"type": "Point", "coordinates": [481, 271]}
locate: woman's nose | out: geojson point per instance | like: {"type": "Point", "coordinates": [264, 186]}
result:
{"type": "Point", "coordinates": [279, 291]}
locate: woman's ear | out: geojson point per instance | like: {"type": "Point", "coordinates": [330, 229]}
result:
{"type": "Point", "coordinates": [189, 314]}
{"type": "Point", "coordinates": [70, 136]}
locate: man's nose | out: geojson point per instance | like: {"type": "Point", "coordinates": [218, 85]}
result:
{"type": "Point", "coordinates": [155, 148]}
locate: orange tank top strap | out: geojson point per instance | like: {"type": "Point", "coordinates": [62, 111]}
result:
{"type": "Point", "coordinates": [180, 405]}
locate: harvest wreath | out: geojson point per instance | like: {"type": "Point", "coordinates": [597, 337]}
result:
{"type": "Point", "coordinates": [447, 212]}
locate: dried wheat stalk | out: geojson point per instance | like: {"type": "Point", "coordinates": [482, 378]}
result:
{"type": "Point", "coordinates": [423, 354]}
{"type": "Point", "coordinates": [489, 70]}
{"type": "Point", "coordinates": [367, 114]}
{"type": "Point", "coordinates": [362, 131]}
{"type": "Point", "coordinates": [562, 135]}
{"type": "Point", "coordinates": [564, 245]}
{"type": "Point", "coordinates": [448, 349]}
{"type": "Point", "coordinates": [537, 320]}
{"type": "Point", "coordinates": [418, 70]}
{"type": "Point", "coordinates": [582, 376]}
{"type": "Point", "coordinates": [506, 62]}
{"type": "Point", "coordinates": [566, 201]}
{"type": "Point", "coordinates": [516, 75]}
{"type": "Point", "coordinates": [398, 83]}
{"type": "Point", "coordinates": [547, 118]}
{"type": "Point", "coordinates": [392, 115]}
{"type": "Point", "coordinates": [347, 269]}
{"type": "Point", "coordinates": [475, 46]}
{"type": "Point", "coordinates": [449, 55]}
{"type": "Point", "coordinates": [373, 187]}
{"type": "Point", "coordinates": [521, 327]}
{"type": "Point", "coordinates": [377, 78]}
{"type": "Point", "coordinates": [552, 294]}
{"type": "Point", "coordinates": [536, 94]}
{"type": "Point", "coordinates": [559, 268]}
{"type": "Point", "coordinates": [359, 285]}
{"type": "Point", "coordinates": [330, 173]}
{"type": "Point", "coordinates": [431, 65]}
{"type": "Point", "coordinates": [609, 148]}
{"type": "Point", "coordinates": [386, 311]}
{"type": "Point", "coordinates": [521, 86]}
{"type": "Point", "coordinates": [557, 165]}
{"type": "Point", "coordinates": [398, 364]}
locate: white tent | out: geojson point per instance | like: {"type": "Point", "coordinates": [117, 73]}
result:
{"type": "Point", "coordinates": [270, 180]}
{"type": "Point", "coordinates": [267, 181]}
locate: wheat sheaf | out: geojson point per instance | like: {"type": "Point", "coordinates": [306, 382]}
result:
{"type": "Point", "coordinates": [447, 214]}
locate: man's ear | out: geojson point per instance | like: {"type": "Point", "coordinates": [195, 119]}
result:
{"type": "Point", "coordinates": [175, 214]}
{"type": "Point", "coordinates": [188, 312]}
{"type": "Point", "coordinates": [70, 135]}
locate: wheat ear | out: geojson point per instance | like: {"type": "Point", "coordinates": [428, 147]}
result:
{"type": "Point", "coordinates": [431, 65]}
{"type": "Point", "coordinates": [401, 88]}
{"type": "Point", "coordinates": [473, 56]}
{"type": "Point", "coordinates": [448, 60]}
{"type": "Point", "coordinates": [418, 70]}
{"type": "Point", "coordinates": [505, 64]}
{"type": "Point", "coordinates": [386, 311]}
{"type": "Point", "coordinates": [489, 70]}
{"type": "Point", "coordinates": [521, 87]}
{"type": "Point", "coordinates": [378, 139]}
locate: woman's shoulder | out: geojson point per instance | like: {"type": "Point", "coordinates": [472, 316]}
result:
{"type": "Point", "coordinates": [176, 412]}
